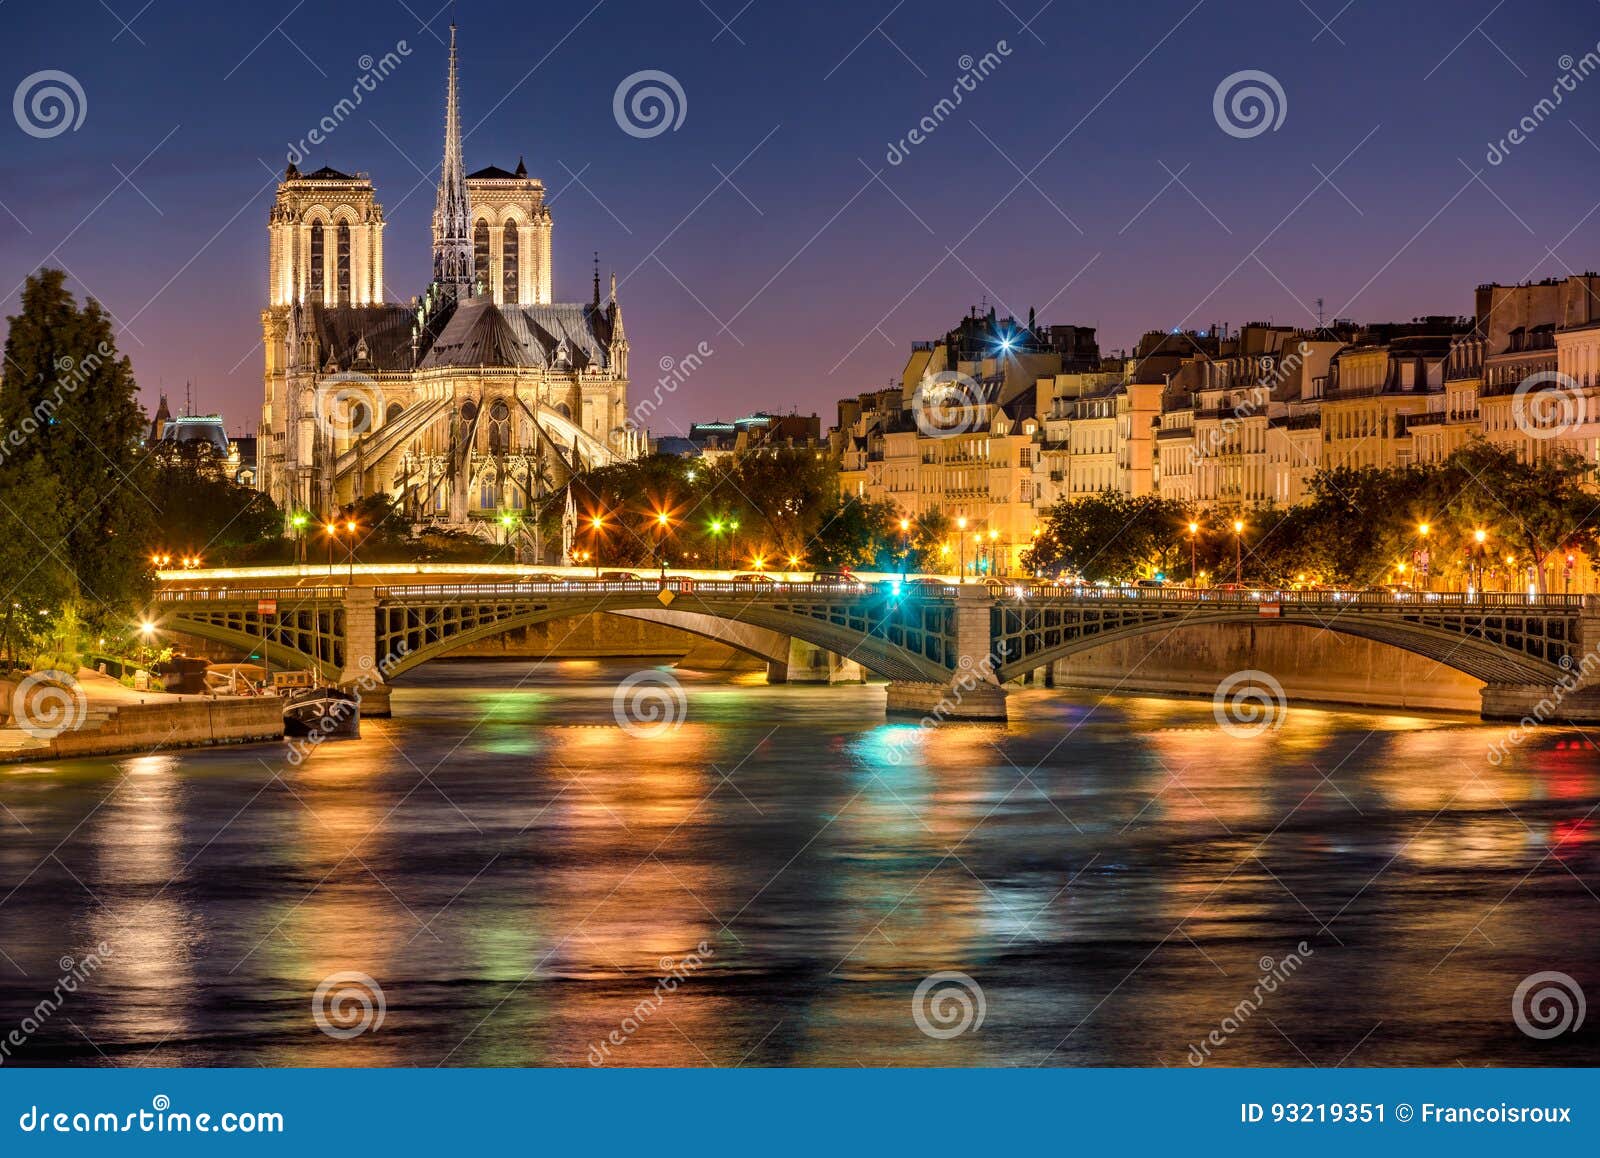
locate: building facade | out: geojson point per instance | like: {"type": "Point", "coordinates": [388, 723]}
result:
{"type": "Point", "coordinates": [1217, 419]}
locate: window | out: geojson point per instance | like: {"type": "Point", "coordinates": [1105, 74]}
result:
{"type": "Point", "coordinates": [499, 426]}
{"type": "Point", "coordinates": [508, 263]}
{"type": "Point", "coordinates": [480, 254]}
{"type": "Point", "coordinates": [316, 261]}
{"type": "Point", "coordinates": [342, 270]}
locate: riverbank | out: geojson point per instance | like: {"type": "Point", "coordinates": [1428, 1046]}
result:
{"type": "Point", "coordinates": [111, 719]}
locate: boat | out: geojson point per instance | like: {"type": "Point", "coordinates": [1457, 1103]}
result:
{"type": "Point", "coordinates": [325, 711]}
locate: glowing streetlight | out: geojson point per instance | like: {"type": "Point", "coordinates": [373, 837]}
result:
{"type": "Point", "coordinates": [961, 553]}
{"type": "Point", "coordinates": [1194, 529]}
{"type": "Point", "coordinates": [1238, 551]}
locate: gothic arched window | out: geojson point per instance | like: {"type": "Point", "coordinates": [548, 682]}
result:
{"type": "Point", "coordinates": [499, 426]}
{"type": "Point", "coordinates": [316, 261]}
{"type": "Point", "coordinates": [480, 254]}
{"type": "Point", "coordinates": [508, 264]}
{"type": "Point", "coordinates": [342, 271]}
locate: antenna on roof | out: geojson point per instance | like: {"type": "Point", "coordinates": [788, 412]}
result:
{"type": "Point", "coordinates": [1319, 313]}
{"type": "Point", "coordinates": [597, 279]}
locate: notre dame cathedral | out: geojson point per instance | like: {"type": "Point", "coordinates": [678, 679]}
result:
{"type": "Point", "coordinates": [481, 397]}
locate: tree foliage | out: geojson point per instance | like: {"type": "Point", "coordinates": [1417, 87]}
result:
{"type": "Point", "coordinates": [69, 413]}
{"type": "Point", "coordinates": [1108, 536]}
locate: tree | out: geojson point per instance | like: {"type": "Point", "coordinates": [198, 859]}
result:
{"type": "Point", "coordinates": [1542, 507]}
{"type": "Point", "coordinates": [36, 582]}
{"type": "Point", "coordinates": [859, 533]}
{"type": "Point", "coordinates": [1108, 535]}
{"type": "Point", "coordinates": [203, 512]}
{"type": "Point", "coordinates": [69, 407]}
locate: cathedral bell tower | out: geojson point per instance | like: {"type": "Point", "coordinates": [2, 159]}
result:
{"type": "Point", "coordinates": [452, 224]}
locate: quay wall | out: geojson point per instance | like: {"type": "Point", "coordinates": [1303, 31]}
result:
{"type": "Point", "coordinates": [177, 724]}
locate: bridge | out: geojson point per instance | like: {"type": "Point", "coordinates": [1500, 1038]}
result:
{"type": "Point", "coordinates": [945, 649]}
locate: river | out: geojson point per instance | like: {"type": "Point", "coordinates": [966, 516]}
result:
{"type": "Point", "coordinates": [1114, 882]}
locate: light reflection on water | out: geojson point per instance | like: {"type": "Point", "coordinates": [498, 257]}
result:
{"type": "Point", "coordinates": [516, 871]}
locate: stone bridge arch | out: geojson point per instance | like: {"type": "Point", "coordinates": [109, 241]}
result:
{"type": "Point", "coordinates": [1511, 642]}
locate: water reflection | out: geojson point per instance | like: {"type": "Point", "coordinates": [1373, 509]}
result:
{"type": "Point", "coordinates": [528, 883]}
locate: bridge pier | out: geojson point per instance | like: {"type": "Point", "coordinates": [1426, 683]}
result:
{"type": "Point", "coordinates": [1540, 703]}
{"type": "Point", "coordinates": [363, 669]}
{"type": "Point", "coordinates": [1572, 698]}
{"type": "Point", "coordinates": [974, 692]}
{"type": "Point", "coordinates": [810, 664]}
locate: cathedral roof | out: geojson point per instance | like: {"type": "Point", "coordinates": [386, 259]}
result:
{"type": "Point", "coordinates": [495, 173]}
{"type": "Point", "coordinates": [385, 329]}
{"type": "Point", "coordinates": [326, 173]}
{"type": "Point", "coordinates": [564, 336]}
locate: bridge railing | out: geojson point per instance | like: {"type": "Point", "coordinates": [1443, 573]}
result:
{"type": "Point", "coordinates": [226, 594]}
{"type": "Point", "coordinates": [1190, 596]}
{"type": "Point", "coordinates": [590, 587]}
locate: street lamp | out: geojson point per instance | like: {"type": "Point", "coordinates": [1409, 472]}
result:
{"type": "Point", "coordinates": [905, 546]}
{"type": "Point", "coordinates": [1425, 557]}
{"type": "Point", "coordinates": [1479, 537]}
{"type": "Point", "coordinates": [994, 565]}
{"type": "Point", "coordinates": [716, 544]}
{"type": "Point", "coordinates": [350, 527]}
{"type": "Point", "coordinates": [508, 523]}
{"type": "Point", "coordinates": [1194, 530]}
{"type": "Point", "coordinates": [298, 522]}
{"type": "Point", "coordinates": [663, 523]}
{"type": "Point", "coordinates": [1238, 551]}
{"type": "Point", "coordinates": [596, 528]}
{"type": "Point", "coordinates": [961, 552]}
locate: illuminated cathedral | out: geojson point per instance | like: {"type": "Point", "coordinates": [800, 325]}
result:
{"type": "Point", "coordinates": [480, 397]}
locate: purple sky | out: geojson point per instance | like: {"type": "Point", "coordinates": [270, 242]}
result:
{"type": "Point", "coordinates": [1086, 175]}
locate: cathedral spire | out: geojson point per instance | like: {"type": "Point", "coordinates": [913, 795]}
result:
{"type": "Point", "coordinates": [452, 229]}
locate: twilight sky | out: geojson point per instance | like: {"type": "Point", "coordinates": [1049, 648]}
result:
{"type": "Point", "coordinates": [1086, 174]}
